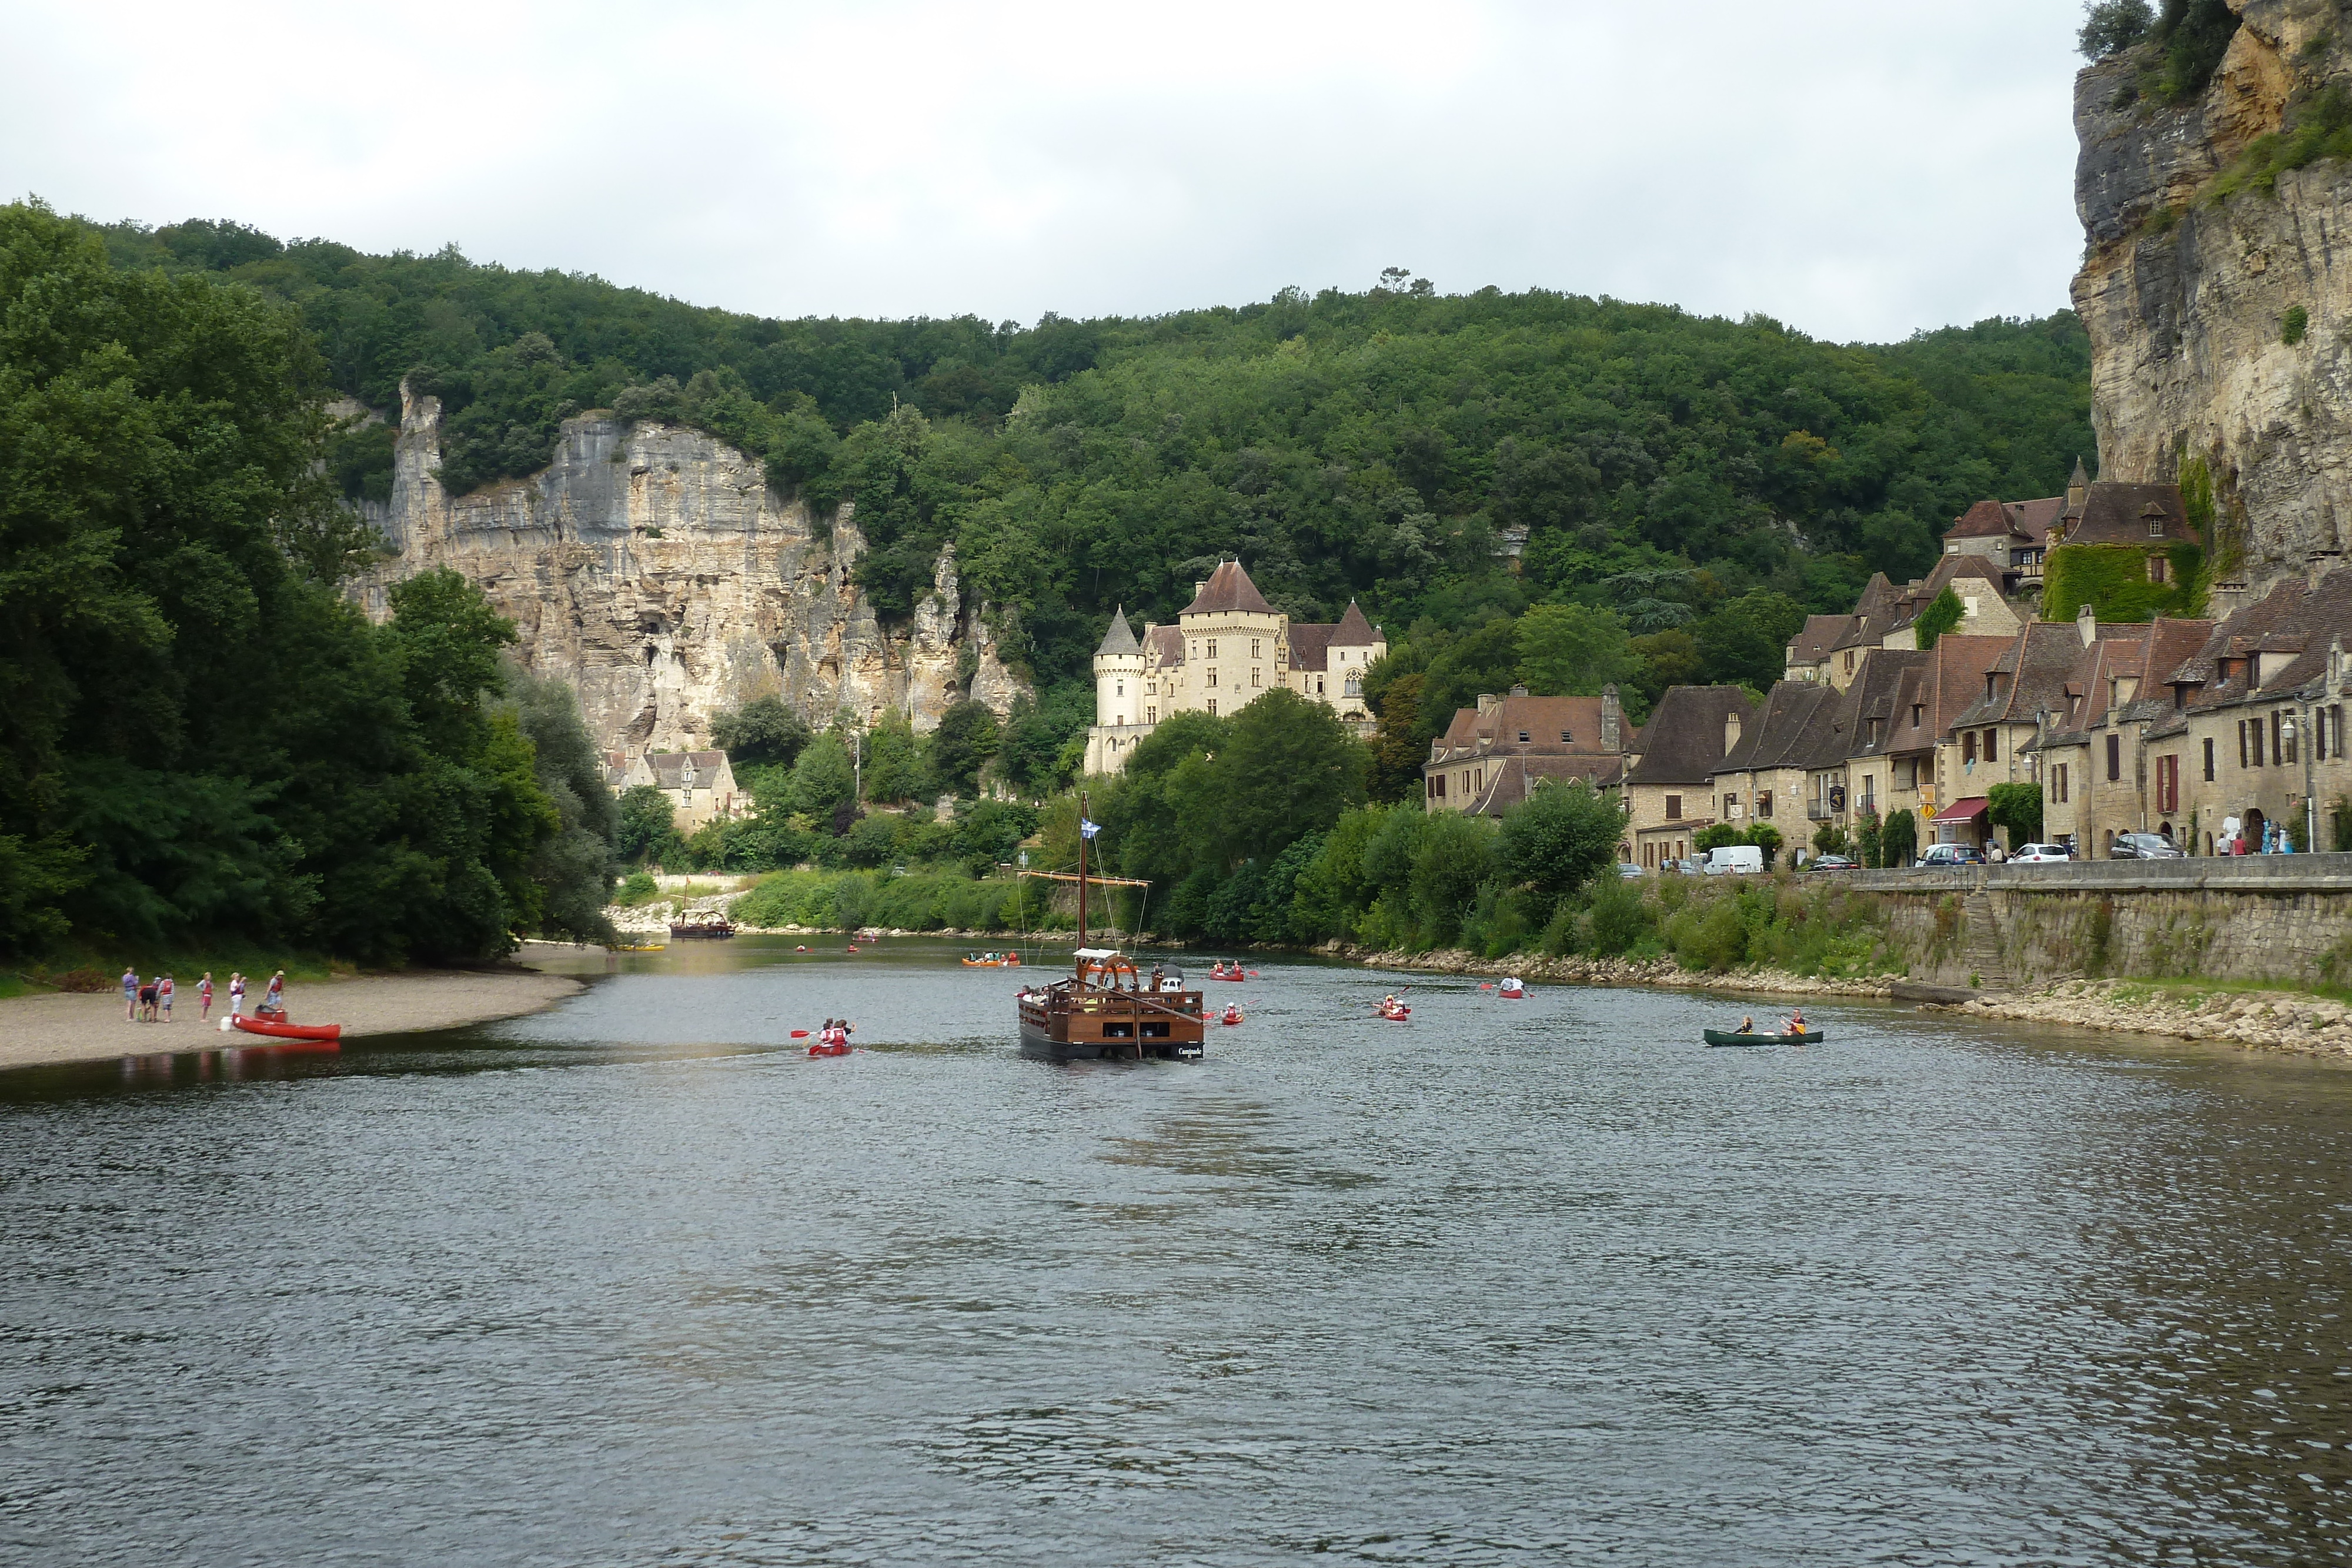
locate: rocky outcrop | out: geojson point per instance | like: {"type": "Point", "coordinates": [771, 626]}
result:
{"type": "Point", "coordinates": [651, 566]}
{"type": "Point", "coordinates": [2188, 301]}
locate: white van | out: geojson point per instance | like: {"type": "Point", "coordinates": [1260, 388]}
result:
{"type": "Point", "coordinates": [1746, 859]}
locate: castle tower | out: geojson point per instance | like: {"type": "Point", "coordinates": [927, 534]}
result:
{"type": "Point", "coordinates": [1118, 674]}
{"type": "Point", "coordinates": [1120, 720]}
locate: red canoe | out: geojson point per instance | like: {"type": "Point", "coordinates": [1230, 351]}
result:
{"type": "Point", "coordinates": [290, 1030]}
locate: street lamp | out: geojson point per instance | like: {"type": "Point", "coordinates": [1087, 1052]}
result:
{"type": "Point", "coordinates": [2310, 806]}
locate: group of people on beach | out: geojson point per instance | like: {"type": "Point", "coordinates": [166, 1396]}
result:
{"type": "Point", "coordinates": [149, 1002]}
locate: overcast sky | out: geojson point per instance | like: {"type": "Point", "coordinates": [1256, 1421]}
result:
{"type": "Point", "coordinates": [1858, 168]}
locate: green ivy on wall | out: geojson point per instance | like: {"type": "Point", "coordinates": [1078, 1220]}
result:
{"type": "Point", "coordinates": [2113, 580]}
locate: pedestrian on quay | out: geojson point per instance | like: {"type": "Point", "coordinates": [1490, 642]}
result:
{"type": "Point", "coordinates": [204, 997]}
{"type": "Point", "coordinates": [235, 994]}
{"type": "Point", "coordinates": [164, 990]}
{"type": "Point", "coordinates": [130, 994]}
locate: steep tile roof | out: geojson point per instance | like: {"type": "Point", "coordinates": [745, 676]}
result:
{"type": "Point", "coordinates": [1684, 739]}
{"type": "Point", "coordinates": [1353, 630]}
{"type": "Point", "coordinates": [1543, 720]}
{"type": "Point", "coordinates": [2034, 518]}
{"type": "Point", "coordinates": [1309, 646]}
{"type": "Point", "coordinates": [1789, 729]}
{"type": "Point", "coordinates": [1120, 639]}
{"type": "Point", "coordinates": [1228, 589]}
{"type": "Point", "coordinates": [1820, 637]}
{"type": "Point", "coordinates": [1985, 519]}
{"type": "Point", "coordinates": [2115, 513]}
{"type": "Point", "coordinates": [1876, 691]}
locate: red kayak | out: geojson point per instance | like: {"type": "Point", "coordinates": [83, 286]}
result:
{"type": "Point", "coordinates": [822, 1049]}
{"type": "Point", "coordinates": [1403, 1015]}
{"type": "Point", "coordinates": [289, 1030]}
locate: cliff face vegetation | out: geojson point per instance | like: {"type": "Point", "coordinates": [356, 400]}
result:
{"type": "Point", "coordinates": [653, 566]}
{"type": "Point", "coordinates": [2213, 190]}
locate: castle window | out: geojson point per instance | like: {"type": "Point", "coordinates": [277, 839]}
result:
{"type": "Point", "coordinates": [1319, 685]}
{"type": "Point", "coordinates": [1212, 647]}
{"type": "Point", "coordinates": [1151, 715]}
{"type": "Point", "coordinates": [1674, 808]}
{"type": "Point", "coordinates": [1254, 675]}
{"type": "Point", "coordinates": [1355, 686]}
{"type": "Point", "coordinates": [2154, 568]}
{"type": "Point", "coordinates": [1122, 688]}
{"type": "Point", "coordinates": [1212, 707]}
{"type": "Point", "coordinates": [1253, 642]}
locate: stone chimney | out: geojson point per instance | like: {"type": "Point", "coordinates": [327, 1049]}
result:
{"type": "Point", "coordinates": [1518, 691]}
{"type": "Point", "coordinates": [2087, 623]}
{"type": "Point", "coordinates": [1730, 732]}
{"type": "Point", "coordinates": [2318, 564]}
{"type": "Point", "coordinates": [1199, 589]}
{"type": "Point", "coordinates": [1611, 717]}
{"type": "Point", "coordinates": [2078, 490]}
{"type": "Point", "coordinates": [1485, 704]}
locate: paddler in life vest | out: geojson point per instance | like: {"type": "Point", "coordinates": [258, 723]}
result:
{"type": "Point", "coordinates": [1747, 1023]}
{"type": "Point", "coordinates": [1796, 1025]}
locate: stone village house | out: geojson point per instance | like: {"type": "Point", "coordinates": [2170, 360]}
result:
{"type": "Point", "coordinates": [700, 784]}
{"type": "Point", "coordinates": [1493, 756]}
{"type": "Point", "coordinates": [1670, 767]}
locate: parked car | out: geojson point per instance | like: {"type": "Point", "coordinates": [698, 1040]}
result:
{"type": "Point", "coordinates": [1629, 871]}
{"type": "Point", "coordinates": [1829, 862]}
{"type": "Point", "coordinates": [1745, 859]}
{"type": "Point", "coordinates": [2145, 847]}
{"type": "Point", "coordinates": [1952, 854]}
{"type": "Point", "coordinates": [2039, 854]}
{"type": "Point", "coordinates": [1687, 867]}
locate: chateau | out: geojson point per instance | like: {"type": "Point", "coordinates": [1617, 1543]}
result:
{"type": "Point", "coordinates": [1227, 647]}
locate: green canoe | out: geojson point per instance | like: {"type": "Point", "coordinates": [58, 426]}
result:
{"type": "Point", "coordinates": [1723, 1037]}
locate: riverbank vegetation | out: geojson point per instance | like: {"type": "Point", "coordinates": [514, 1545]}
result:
{"type": "Point", "coordinates": [204, 745]}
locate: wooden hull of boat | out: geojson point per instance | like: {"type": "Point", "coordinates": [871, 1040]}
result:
{"type": "Point", "coordinates": [1723, 1037]}
{"type": "Point", "coordinates": [314, 1031]}
{"type": "Point", "coordinates": [989, 963]}
{"type": "Point", "coordinates": [705, 933]}
{"type": "Point", "coordinates": [1040, 1046]}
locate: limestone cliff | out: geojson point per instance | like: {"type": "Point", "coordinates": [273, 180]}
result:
{"type": "Point", "coordinates": [2189, 302]}
{"type": "Point", "coordinates": [651, 566]}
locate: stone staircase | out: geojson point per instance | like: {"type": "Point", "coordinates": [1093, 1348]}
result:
{"type": "Point", "coordinates": [1980, 956]}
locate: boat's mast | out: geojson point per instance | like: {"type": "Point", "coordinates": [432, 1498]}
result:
{"type": "Point", "coordinates": [1082, 869]}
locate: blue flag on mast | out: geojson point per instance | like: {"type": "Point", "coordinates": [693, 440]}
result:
{"type": "Point", "coordinates": [1087, 829]}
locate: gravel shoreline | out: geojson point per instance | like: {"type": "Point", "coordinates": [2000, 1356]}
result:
{"type": "Point", "coordinates": [39, 1030]}
{"type": "Point", "coordinates": [2291, 1021]}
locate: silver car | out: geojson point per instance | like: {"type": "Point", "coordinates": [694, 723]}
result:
{"type": "Point", "coordinates": [2040, 854]}
{"type": "Point", "coordinates": [2145, 847]}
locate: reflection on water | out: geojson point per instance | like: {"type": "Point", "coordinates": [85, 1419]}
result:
{"type": "Point", "coordinates": [637, 1280]}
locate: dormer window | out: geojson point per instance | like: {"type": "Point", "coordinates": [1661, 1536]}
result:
{"type": "Point", "coordinates": [2156, 527]}
{"type": "Point", "coordinates": [1568, 737]}
{"type": "Point", "coordinates": [1523, 738]}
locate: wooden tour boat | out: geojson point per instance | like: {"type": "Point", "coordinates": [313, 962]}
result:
{"type": "Point", "coordinates": [708, 922]}
{"type": "Point", "coordinates": [1105, 1010]}
{"type": "Point", "coordinates": [1733, 1037]}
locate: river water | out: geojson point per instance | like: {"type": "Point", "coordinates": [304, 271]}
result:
{"type": "Point", "coordinates": [634, 1282]}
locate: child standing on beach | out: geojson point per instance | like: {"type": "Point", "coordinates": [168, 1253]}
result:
{"type": "Point", "coordinates": [204, 997]}
{"type": "Point", "coordinates": [164, 990]}
{"type": "Point", "coordinates": [235, 994]}
{"type": "Point", "coordinates": [130, 996]}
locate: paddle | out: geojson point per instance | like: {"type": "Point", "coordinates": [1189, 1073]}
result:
{"type": "Point", "coordinates": [800, 1034]}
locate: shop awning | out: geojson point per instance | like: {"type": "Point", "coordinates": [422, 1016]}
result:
{"type": "Point", "coordinates": [1961, 810]}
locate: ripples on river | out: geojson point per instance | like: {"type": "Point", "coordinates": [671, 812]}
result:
{"type": "Point", "coordinates": [634, 1282]}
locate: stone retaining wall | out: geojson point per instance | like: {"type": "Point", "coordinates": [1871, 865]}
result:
{"type": "Point", "coordinates": [2255, 917]}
